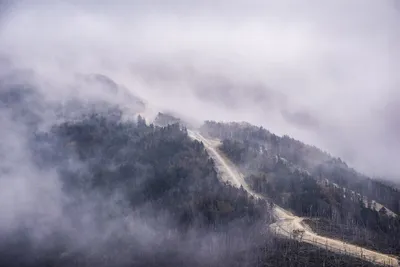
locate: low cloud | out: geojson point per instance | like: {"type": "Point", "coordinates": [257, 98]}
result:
{"type": "Point", "coordinates": [324, 73]}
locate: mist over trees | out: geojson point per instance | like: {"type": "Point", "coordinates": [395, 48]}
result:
{"type": "Point", "coordinates": [340, 201]}
{"type": "Point", "coordinates": [106, 190]}
{"type": "Point", "coordinates": [131, 193]}
{"type": "Point", "coordinates": [89, 178]}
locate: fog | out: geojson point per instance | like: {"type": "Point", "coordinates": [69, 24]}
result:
{"type": "Point", "coordinates": [324, 73]}
{"type": "Point", "coordinates": [321, 72]}
{"type": "Point", "coordinates": [42, 217]}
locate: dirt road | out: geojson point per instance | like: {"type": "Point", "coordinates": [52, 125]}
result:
{"type": "Point", "coordinates": [287, 224]}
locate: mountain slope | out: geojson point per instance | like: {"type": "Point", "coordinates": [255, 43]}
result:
{"type": "Point", "coordinates": [84, 183]}
{"type": "Point", "coordinates": [305, 158]}
{"type": "Point", "coordinates": [287, 224]}
{"type": "Point", "coordinates": [305, 184]}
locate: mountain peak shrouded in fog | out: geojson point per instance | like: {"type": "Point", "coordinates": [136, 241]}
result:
{"type": "Point", "coordinates": [99, 186]}
{"type": "Point", "coordinates": [199, 133]}
{"type": "Point", "coordinates": [322, 72]}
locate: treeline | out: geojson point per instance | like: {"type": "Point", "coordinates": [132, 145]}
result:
{"type": "Point", "coordinates": [135, 194]}
{"type": "Point", "coordinates": [158, 165]}
{"type": "Point", "coordinates": [113, 170]}
{"type": "Point", "coordinates": [319, 163]}
{"type": "Point", "coordinates": [291, 174]}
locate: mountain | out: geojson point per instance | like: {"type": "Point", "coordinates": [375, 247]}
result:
{"type": "Point", "coordinates": [337, 200]}
{"type": "Point", "coordinates": [87, 183]}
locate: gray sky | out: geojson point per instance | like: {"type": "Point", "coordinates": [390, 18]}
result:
{"type": "Point", "coordinates": [321, 71]}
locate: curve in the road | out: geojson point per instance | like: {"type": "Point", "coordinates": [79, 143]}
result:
{"type": "Point", "coordinates": [287, 224]}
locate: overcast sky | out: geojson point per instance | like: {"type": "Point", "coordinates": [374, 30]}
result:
{"type": "Point", "coordinates": [324, 72]}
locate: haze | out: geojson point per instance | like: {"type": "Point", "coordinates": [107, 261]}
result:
{"type": "Point", "coordinates": [324, 72]}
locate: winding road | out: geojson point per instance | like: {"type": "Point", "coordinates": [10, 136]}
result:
{"type": "Point", "coordinates": [287, 224]}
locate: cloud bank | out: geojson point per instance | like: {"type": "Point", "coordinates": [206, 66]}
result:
{"type": "Point", "coordinates": [322, 72]}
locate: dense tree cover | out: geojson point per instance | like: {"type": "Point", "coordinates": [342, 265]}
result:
{"type": "Point", "coordinates": [135, 194]}
{"type": "Point", "coordinates": [309, 158]}
{"type": "Point", "coordinates": [293, 176]}
{"type": "Point", "coordinates": [158, 172]}
{"type": "Point", "coordinates": [152, 164]}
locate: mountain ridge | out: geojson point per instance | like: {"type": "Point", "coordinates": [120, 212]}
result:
{"type": "Point", "coordinates": [128, 186]}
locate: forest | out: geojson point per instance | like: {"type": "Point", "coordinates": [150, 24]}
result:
{"type": "Point", "coordinates": [313, 184]}
{"type": "Point", "coordinates": [133, 194]}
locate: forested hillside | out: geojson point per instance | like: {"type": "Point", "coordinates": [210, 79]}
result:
{"type": "Point", "coordinates": [112, 171]}
{"type": "Point", "coordinates": [128, 193]}
{"type": "Point", "coordinates": [313, 184]}
{"type": "Point", "coordinates": [309, 158]}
